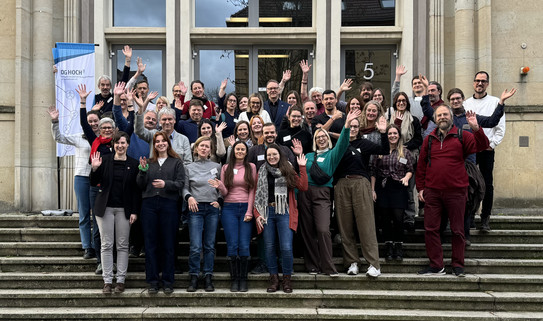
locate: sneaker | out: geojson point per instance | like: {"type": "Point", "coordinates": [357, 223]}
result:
{"type": "Point", "coordinates": [333, 274]}
{"type": "Point", "coordinates": [98, 269]}
{"type": "Point", "coordinates": [353, 269]}
{"type": "Point", "coordinates": [168, 289]}
{"type": "Point", "coordinates": [133, 252]}
{"type": "Point", "coordinates": [89, 254]}
{"type": "Point", "coordinates": [313, 272]}
{"type": "Point", "coordinates": [459, 271]}
{"type": "Point", "coordinates": [373, 272]}
{"type": "Point", "coordinates": [432, 271]}
{"type": "Point", "coordinates": [142, 253]}
{"type": "Point", "coordinates": [153, 289]}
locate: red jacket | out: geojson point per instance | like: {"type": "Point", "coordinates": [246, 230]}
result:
{"type": "Point", "coordinates": [446, 169]}
{"type": "Point", "coordinates": [292, 204]}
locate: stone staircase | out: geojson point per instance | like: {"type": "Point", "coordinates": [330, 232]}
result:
{"type": "Point", "coordinates": [43, 276]}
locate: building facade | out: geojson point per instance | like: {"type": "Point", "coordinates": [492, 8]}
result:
{"type": "Point", "coordinates": [251, 41]}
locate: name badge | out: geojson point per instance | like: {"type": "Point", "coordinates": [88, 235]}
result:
{"type": "Point", "coordinates": [403, 160]}
{"type": "Point", "coordinates": [260, 158]}
{"type": "Point", "coordinates": [213, 171]}
{"type": "Point", "coordinates": [236, 120]}
{"type": "Point", "coordinates": [109, 100]}
{"type": "Point", "coordinates": [365, 136]}
{"type": "Point", "coordinates": [286, 138]}
{"type": "Point", "coordinates": [466, 127]}
{"type": "Point", "coordinates": [235, 171]}
{"type": "Point", "coordinates": [320, 159]}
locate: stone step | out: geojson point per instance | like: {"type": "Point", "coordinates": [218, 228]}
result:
{"type": "Point", "coordinates": [257, 313]}
{"type": "Point", "coordinates": [37, 220]}
{"type": "Point", "coordinates": [415, 250]}
{"type": "Point", "coordinates": [307, 298]}
{"type": "Point", "coordinates": [301, 280]}
{"type": "Point", "coordinates": [495, 236]}
{"type": "Point", "coordinates": [409, 265]}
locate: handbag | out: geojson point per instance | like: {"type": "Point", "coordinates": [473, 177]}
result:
{"type": "Point", "coordinates": [318, 176]}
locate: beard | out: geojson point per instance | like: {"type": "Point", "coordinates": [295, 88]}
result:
{"type": "Point", "coordinates": [445, 124]}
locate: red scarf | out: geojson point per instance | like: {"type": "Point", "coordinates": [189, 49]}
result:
{"type": "Point", "coordinates": [97, 142]}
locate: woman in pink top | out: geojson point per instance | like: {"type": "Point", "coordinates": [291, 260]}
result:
{"type": "Point", "coordinates": [237, 186]}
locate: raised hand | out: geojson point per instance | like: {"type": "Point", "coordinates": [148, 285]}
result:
{"type": "Point", "coordinates": [353, 114]}
{"type": "Point", "coordinates": [223, 84]}
{"type": "Point", "coordinates": [337, 114]}
{"type": "Point", "coordinates": [382, 124]}
{"type": "Point", "coordinates": [152, 95]}
{"type": "Point", "coordinates": [400, 71]}
{"type": "Point", "coordinates": [507, 94]}
{"type": "Point", "coordinates": [178, 104]}
{"type": "Point", "coordinates": [424, 80]}
{"type": "Point", "coordinates": [96, 161]}
{"type": "Point", "coordinates": [141, 66]}
{"type": "Point", "coordinates": [231, 140]}
{"type": "Point", "coordinates": [119, 88]}
{"type": "Point", "coordinates": [98, 105]}
{"type": "Point", "coordinates": [130, 95]}
{"type": "Point", "coordinates": [297, 148]}
{"type": "Point", "coordinates": [183, 88]}
{"type": "Point", "coordinates": [305, 66]}
{"type": "Point", "coordinates": [286, 75]}
{"type": "Point", "coordinates": [215, 183]}
{"type": "Point", "coordinates": [471, 117]}
{"type": "Point", "coordinates": [220, 128]}
{"type": "Point", "coordinates": [82, 91]}
{"type": "Point", "coordinates": [302, 161]}
{"type": "Point", "coordinates": [346, 85]}
{"type": "Point", "coordinates": [53, 112]}
{"type": "Point", "coordinates": [127, 52]}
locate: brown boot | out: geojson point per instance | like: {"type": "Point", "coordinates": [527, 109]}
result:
{"type": "Point", "coordinates": [287, 287]}
{"type": "Point", "coordinates": [107, 288]}
{"type": "Point", "coordinates": [274, 283]}
{"type": "Point", "coordinates": [119, 288]}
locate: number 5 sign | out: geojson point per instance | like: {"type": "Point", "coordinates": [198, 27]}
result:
{"type": "Point", "coordinates": [367, 67]}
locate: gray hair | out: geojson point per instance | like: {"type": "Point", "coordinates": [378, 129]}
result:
{"type": "Point", "coordinates": [443, 105]}
{"type": "Point", "coordinates": [315, 89]}
{"type": "Point", "coordinates": [103, 77]}
{"type": "Point", "coordinates": [166, 111]}
{"type": "Point", "coordinates": [106, 120]}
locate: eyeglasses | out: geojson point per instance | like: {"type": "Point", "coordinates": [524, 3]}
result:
{"type": "Point", "coordinates": [322, 137]}
{"type": "Point", "coordinates": [255, 103]}
{"type": "Point", "coordinates": [355, 126]}
{"type": "Point", "coordinates": [232, 101]}
{"type": "Point", "coordinates": [272, 88]}
{"type": "Point", "coordinates": [482, 81]}
{"type": "Point", "coordinates": [455, 98]}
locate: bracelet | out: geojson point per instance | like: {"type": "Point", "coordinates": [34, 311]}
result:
{"type": "Point", "coordinates": [83, 103]}
{"type": "Point", "coordinates": [304, 82]}
{"type": "Point", "coordinates": [130, 105]}
{"type": "Point", "coordinates": [143, 169]}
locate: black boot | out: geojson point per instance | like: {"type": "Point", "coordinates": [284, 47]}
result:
{"type": "Point", "coordinates": [243, 267]}
{"type": "Point", "coordinates": [398, 251]}
{"type": "Point", "coordinates": [193, 283]}
{"type": "Point", "coordinates": [209, 283]}
{"type": "Point", "coordinates": [234, 273]}
{"type": "Point", "coordinates": [389, 251]}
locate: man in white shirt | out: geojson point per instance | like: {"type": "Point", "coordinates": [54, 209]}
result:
{"type": "Point", "coordinates": [483, 104]}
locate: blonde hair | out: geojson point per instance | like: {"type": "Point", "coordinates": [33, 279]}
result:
{"type": "Point", "coordinates": [315, 138]}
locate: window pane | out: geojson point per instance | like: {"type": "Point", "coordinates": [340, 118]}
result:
{"type": "Point", "coordinates": [293, 13]}
{"type": "Point", "coordinates": [221, 13]}
{"type": "Point", "coordinates": [272, 63]}
{"type": "Point", "coordinates": [153, 70]}
{"type": "Point", "coordinates": [367, 12]}
{"type": "Point", "coordinates": [368, 65]}
{"type": "Point", "coordinates": [216, 65]}
{"type": "Point", "coordinates": [139, 13]}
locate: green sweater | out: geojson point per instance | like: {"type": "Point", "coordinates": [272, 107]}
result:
{"type": "Point", "coordinates": [329, 160]}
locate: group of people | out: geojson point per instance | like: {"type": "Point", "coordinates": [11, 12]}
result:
{"type": "Point", "coordinates": [146, 167]}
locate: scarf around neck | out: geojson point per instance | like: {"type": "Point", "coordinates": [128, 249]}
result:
{"type": "Point", "coordinates": [281, 191]}
{"type": "Point", "coordinates": [97, 142]}
{"type": "Point", "coordinates": [406, 128]}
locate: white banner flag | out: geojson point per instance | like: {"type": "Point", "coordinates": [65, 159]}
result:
{"type": "Point", "coordinates": [75, 65]}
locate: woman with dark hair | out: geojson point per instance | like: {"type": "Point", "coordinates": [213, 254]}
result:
{"type": "Point", "coordinates": [276, 211]}
{"type": "Point", "coordinates": [117, 206]}
{"type": "Point", "coordinates": [390, 176]}
{"type": "Point", "coordinates": [315, 203]}
{"type": "Point", "coordinates": [203, 204]}
{"type": "Point", "coordinates": [161, 178]}
{"type": "Point", "coordinates": [197, 88]}
{"type": "Point", "coordinates": [293, 99]}
{"type": "Point", "coordinates": [237, 186]}
{"type": "Point", "coordinates": [379, 96]}
{"type": "Point", "coordinates": [409, 125]}
{"type": "Point", "coordinates": [209, 129]}
{"type": "Point", "coordinates": [295, 130]}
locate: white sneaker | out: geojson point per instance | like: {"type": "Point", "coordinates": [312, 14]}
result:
{"type": "Point", "coordinates": [353, 269]}
{"type": "Point", "coordinates": [373, 272]}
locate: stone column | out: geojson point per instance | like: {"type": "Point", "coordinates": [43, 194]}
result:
{"type": "Point", "coordinates": [44, 164]}
{"type": "Point", "coordinates": [464, 43]}
{"type": "Point", "coordinates": [436, 41]}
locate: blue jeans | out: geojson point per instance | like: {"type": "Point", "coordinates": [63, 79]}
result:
{"type": "Point", "coordinates": [278, 224]}
{"type": "Point", "coordinates": [236, 231]}
{"type": "Point", "coordinates": [82, 193]}
{"type": "Point", "coordinates": [160, 222]}
{"type": "Point", "coordinates": [96, 243]}
{"type": "Point", "coordinates": [204, 222]}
